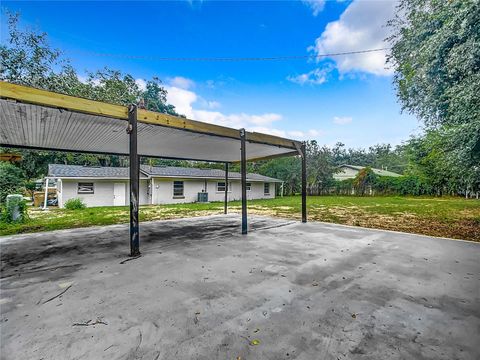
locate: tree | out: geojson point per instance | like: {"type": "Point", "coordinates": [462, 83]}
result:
{"type": "Point", "coordinates": [28, 59]}
{"type": "Point", "coordinates": [436, 58]}
{"type": "Point", "coordinates": [364, 181]}
{"type": "Point", "coordinates": [320, 168]}
{"type": "Point", "coordinates": [12, 180]}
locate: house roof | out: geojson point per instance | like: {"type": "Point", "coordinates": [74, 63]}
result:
{"type": "Point", "coordinates": [378, 172]}
{"type": "Point", "coordinates": [79, 171]}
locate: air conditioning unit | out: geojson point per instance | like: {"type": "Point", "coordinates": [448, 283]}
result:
{"type": "Point", "coordinates": [202, 197]}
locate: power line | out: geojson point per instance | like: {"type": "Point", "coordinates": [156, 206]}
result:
{"type": "Point", "coordinates": [232, 59]}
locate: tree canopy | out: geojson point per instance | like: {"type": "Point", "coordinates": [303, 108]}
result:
{"type": "Point", "coordinates": [436, 57]}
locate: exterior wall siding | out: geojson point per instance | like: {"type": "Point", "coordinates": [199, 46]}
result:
{"type": "Point", "coordinates": [158, 191]}
{"type": "Point", "coordinates": [103, 192]}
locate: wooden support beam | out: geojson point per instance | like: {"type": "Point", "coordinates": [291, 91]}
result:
{"type": "Point", "coordinates": [134, 182]}
{"type": "Point", "coordinates": [243, 171]}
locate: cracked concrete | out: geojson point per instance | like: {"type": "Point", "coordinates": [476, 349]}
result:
{"type": "Point", "coordinates": [203, 291]}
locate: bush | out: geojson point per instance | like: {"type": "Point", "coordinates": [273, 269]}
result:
{"type": "Point", "coordinates": [15, 210]}
{"type": "Point", "coordinates": [75, 204]}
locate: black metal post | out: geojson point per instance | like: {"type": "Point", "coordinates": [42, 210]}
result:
{"type": "Point", "coordinates": [134, 181]}
{"type": "Point", "coordinates": [304, 183]}
{"type": "Point", "coordinates": [243, 170]}
{"type": "Point", "coordinates": [226, 188]}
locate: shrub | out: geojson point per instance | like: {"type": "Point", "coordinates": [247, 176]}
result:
{"type": "Point", "coordinates": [75, 204]}
{"type": "Point", "coordinates": [15, 210]}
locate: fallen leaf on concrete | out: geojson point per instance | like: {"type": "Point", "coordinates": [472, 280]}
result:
{"type": "Point", "coordinates": [65, 285]}
{"type": "Point", "coordinates": [255, 342]}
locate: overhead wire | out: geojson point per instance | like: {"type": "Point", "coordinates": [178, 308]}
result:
{"type": "Point", "coordinates": [230, 59]}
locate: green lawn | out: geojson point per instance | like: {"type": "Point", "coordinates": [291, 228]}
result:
{"type": "Point", "coordinates": [449, 217]}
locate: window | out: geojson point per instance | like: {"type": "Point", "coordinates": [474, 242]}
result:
{"type": "Point", "coordinates": [221, 186]}
{"type": "Point", "coordinates": [85, 188]}
{"type": "Point", "coordinates": [266, 188]}
{"type": "Point", "coordinates": [249, 186]}
{"type": "Point", "coordinates": [178, 189]}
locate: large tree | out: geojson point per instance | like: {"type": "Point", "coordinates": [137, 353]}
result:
{"type": "Point", "coordinates": [27, 58]}
{"type": "Point", "coordinates": [436, 57]}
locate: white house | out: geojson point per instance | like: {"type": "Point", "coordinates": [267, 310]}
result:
{"type": "Point", "coordinates": [350, 171]}
{"type": "Point", "coordinates": [109, 186]}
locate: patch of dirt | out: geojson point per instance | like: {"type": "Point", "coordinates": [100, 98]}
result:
{"type": "Point", "coordinates": [464, 229]}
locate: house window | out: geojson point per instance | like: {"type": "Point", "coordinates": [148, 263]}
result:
{"type": "Point", "coordinates": [249, 186]}
{"type": "Point", "coordinates": [178, 189]}
{"type": "Point", "coordinates": [266, 188]}
{"type": "Point", "coordinates": [85, 188]}
{"type": "Point", "coordinates": [221, 186]}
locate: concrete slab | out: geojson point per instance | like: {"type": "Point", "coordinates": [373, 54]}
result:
{"type": "Point", "coordinates": [203, 291]}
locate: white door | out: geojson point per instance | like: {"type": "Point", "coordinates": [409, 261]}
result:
{"type": "Point", "coordinates": [118, 194]}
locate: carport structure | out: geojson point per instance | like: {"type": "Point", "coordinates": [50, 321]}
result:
{"type": "Point", "coordinates": [38, 119]}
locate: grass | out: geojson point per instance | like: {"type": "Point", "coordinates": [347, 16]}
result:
{"type": "Point", "coordinates": [448, 217]}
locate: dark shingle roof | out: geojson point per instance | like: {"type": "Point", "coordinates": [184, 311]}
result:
{"type": "Point", "coordinates": [60, 170]}
{"type": "Point", "coordinates": [73, 171]}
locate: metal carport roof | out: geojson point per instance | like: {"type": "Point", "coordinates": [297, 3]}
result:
{"type": "Point", "coordinates": [39, 119]}
{"type": "Point", "coordinates": [48, 120]}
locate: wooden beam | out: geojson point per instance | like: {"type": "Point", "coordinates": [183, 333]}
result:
{"type": "Point", "coordinates": [154, 118]}
{"type": "Point", "coordinates": [271, 140]}
{"type": "Point", "coordinates": [270, 157]}
{"type": "Point", "coordinates": [31, 95]}
{"type": "Point", "coordinates": [47, 98]}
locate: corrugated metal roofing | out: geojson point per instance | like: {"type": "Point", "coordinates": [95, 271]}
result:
{"type": "Point", "coordinates": [78, 171]}
{"type": "Point", "coordinates": [47, 120]}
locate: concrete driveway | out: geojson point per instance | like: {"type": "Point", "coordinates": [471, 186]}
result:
{"type": "Point", "coordinates": [203, 291]}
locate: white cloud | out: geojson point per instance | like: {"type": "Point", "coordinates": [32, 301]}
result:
{"type": "Point", "coordinates": [342, 120]}
{"type": "Point", "coordinates": [213, 104]}
{"type": "Point", "coordinates": [181, 82]}
{"type": "Point", "coordinates": [182, 100]}
{"type": "Point", "coordinates": [315, 5]}
{"type": "Point", "coordinates": [315, 77]}
{"type": "Point", "coordinates": [185, 101]}
{"type": "Point", "coordinates": [142, 84]}
{"type": "Point", "coordinates": [361, 26]}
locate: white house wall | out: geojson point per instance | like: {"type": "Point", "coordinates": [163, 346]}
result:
{"type": "Point", "coordinates": [103, 192]}
{"type": "Point", "coordinates": [163, 191]}
{"type": "Point", "coordinates": [159, 192]}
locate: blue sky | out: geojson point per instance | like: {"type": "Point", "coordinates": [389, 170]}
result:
{"type": "Point", "coordinates": [349, 99]}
